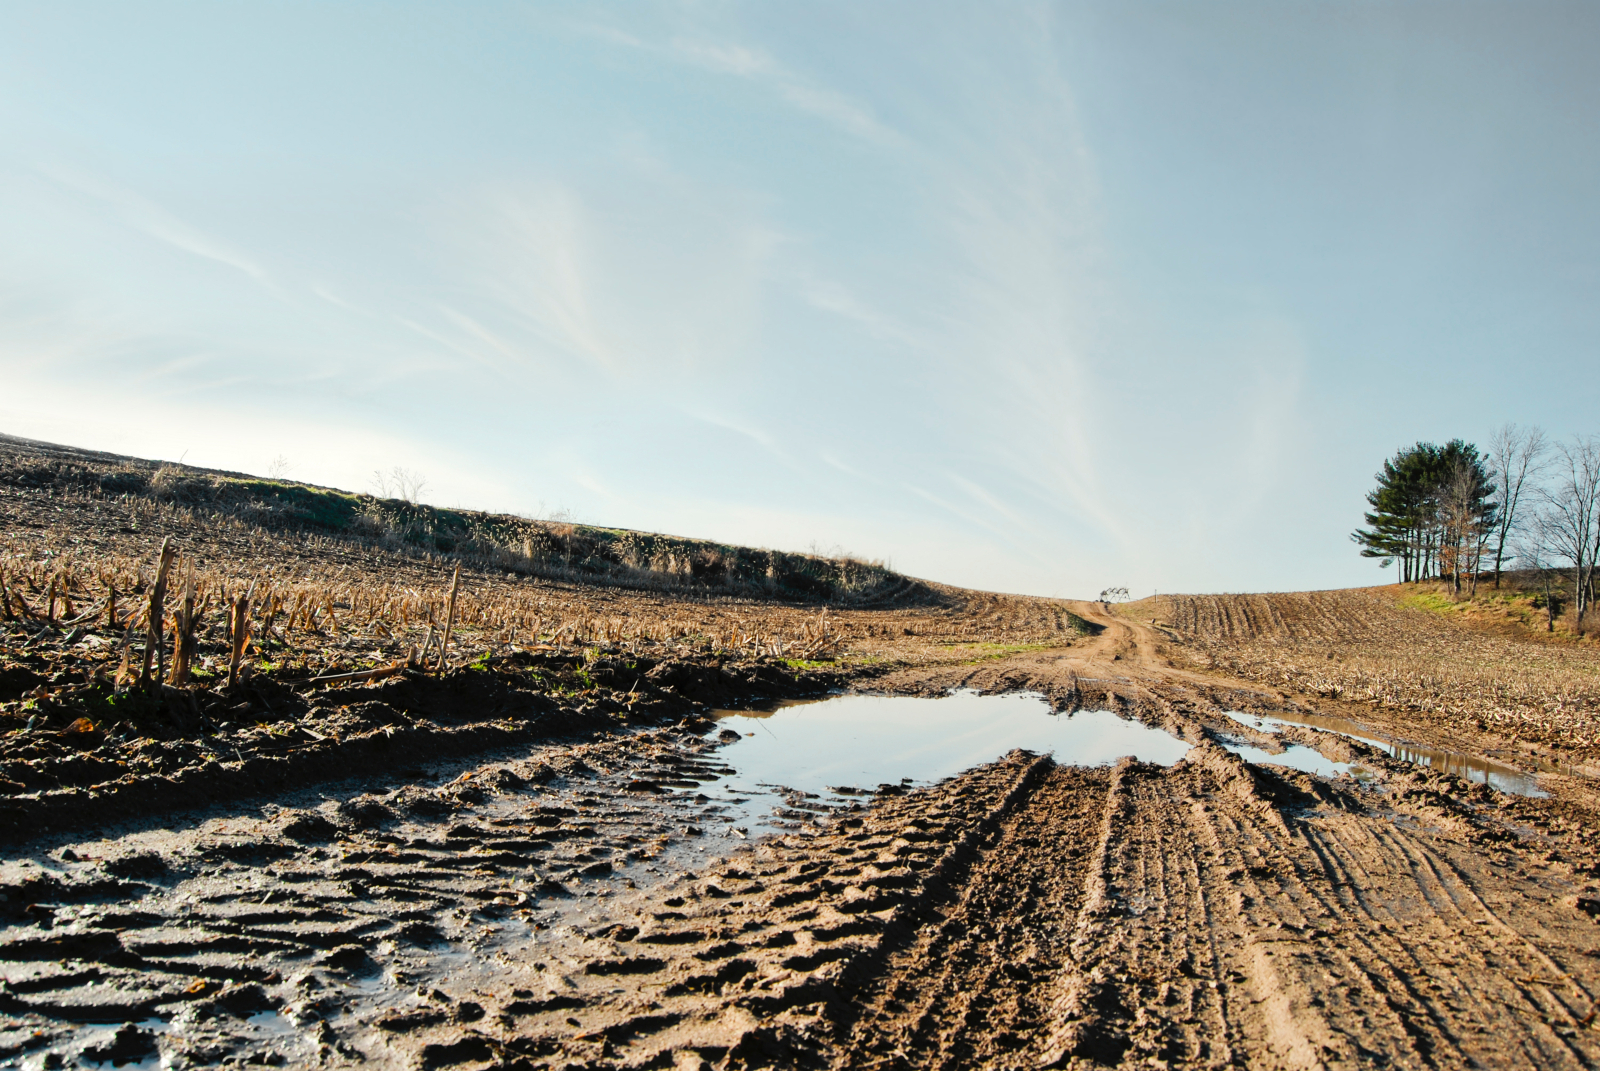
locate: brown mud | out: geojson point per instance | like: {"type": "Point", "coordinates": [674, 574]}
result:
{"type": "Point", "coordinates": [512, 864]}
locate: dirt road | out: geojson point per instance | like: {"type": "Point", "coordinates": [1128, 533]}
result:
{"type": "Point", "coordinates": [533, 911]}
{"type": "Point", "coordinates": [515, 863]}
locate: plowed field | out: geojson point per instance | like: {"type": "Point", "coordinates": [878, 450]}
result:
{"type": "Point", "coordinates": [510, 862]}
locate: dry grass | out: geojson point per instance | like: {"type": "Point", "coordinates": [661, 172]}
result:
{"type": "Point", "coordinates": [553, 549]}
{"type": "Point", "coordinates": [323, 604]}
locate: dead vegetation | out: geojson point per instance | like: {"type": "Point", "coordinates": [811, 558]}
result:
{"type": "Point", "coordinates": [315, 605]}
{"type": "Point", "coordinates": [399, 524]}
{"type": "Point", "coordinates": [1403, 653]}
{"type": "Point", "coordinates": [517, 758]}
{"type": "Point", "coordinates": [143, 637]}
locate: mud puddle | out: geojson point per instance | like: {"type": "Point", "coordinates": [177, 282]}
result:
{"type": "Point", "coordinates": [277, 933]}
{"type": "Point", "coordinates": [816, 755]}
{"type": "Point", "coordinates": [1473, 768]}
{"type": "Point", "coordinates": [1296, 757]}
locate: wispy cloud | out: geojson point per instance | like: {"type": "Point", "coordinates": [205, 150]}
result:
{"type": "Point", "coordinates": [793, 89]}
{"type": "Point", "coordinates": [1274, 358]}
{"type": "Point", "coordinates": [147, 217]}
{"type": "Point", "coordinates": [544, 275]}
{"type": "Point", "coordinates": [725, 57]}
{"type": "Point", "coordinates": [760, 67]}
{"type": "Point", "coordinates": [1020, 196]}
{"type": "Point", "coordinates": [833, 297]}
{"type": "Point", "coordinates": [646, 279]}
{"type": "Point", "coordinates": [445, 342]}
{"type": "Point", "coordinates": [833, 461]}
{"type": "Point", "coordinates": [979, 519]}
{"type": "Point", "coordinates": [1019, 521]}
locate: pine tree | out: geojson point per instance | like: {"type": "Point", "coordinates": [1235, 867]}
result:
{"type": "Point", "coordinates": [1431, 511]}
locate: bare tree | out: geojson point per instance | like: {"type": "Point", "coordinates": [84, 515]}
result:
{"type": "Point", "coordinates": [1571, 514]}
{"type": "Point", "coordinates": [279, 467]}
{"type": "Point", "coordinates": [413, 484]}
{"type": "Point", "coordinates": [1467, 520]}
{"type": "Point", "coordinates": [402, 483]}
{"type": "Point", "coordinates": [1516, 460]}
{"type": "Point", "coordinates": [1533, 552]}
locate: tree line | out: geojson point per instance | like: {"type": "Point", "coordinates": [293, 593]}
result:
{"type": "Point", "coordinates": [1455, 512]}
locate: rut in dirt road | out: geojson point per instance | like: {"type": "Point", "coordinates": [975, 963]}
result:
{"type": "Point", "coordinates": [1245, 916]}
{"type": "Point", "coordinates": [1206, 914]}
{"type": "Point", "coordinates": [974, 986]}
{"type": "Point", "coordinates": [751, 963]}
{"type": "Point", "coordinates": [1024, 914]}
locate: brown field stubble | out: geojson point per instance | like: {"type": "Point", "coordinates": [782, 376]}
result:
{"type": "Point", "coordinates": [572, 900]}
{"type": "Point", "coordinates": [1416, 671]}
{"type": "Point", "coordinates": [330, 600]}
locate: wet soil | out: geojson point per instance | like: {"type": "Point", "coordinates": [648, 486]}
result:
{"type": "Point", "coordinates": [82, 750]}
{"type": "Point", "coordinates": [517, 863]}
{"type": "Point", "coordinates": [275, 933]}
{"type": "Point", "coordinates": [1208, 913]}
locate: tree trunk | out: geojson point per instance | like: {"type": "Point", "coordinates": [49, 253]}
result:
{"type": "Point", "coordinates": [1458, 546]}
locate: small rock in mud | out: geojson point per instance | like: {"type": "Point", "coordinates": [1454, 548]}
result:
{"type": "Point", "coordinates": [377, 714]}
{"type": "Point", "coordinates": [308, 828]}
{"type": "Point", "coordinates": [470, 1049]}
{"type": "Point", "coordinates": [365, 814]}
{"type": "Point", "coordinates": [136, 865]}
{"type": "Point", "coordinates": [421, 933]}
{"type": "Point", "coordinates": [421, 803]}
{"type": "Point", "coordinates": [503, 780]}
{"type": "Point", "coordinates": [129, 1044]}
{"type": "Point", "coordinates": [351, 959]}
{"type": "Point", "coordinates": [244, 1000]}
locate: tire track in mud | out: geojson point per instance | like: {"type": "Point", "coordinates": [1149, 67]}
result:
{"type": "Point", "coordinates": [963, 993]}
{"type": "Point", "coordinates": [1223, 930]}
{"type": "Point", "coordinates": [1144, 939]}
{"type": "Point", "coordinates": [1205, 915]}
{"type": "Point", "coordinates": [1023, 914]}
{"type": "Point", "coordinates": [266, 938]}
{"type": "Point", "coordinates": [1209, 914]}
{"type": "Point", "coordinates": [1445, 966]}
{"type": "Point", "coordinates": [477, 922]}
{"type": "Point", "coordinates": [757, 963]}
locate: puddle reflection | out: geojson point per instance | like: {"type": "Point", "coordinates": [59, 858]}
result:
{"type": "Point", "coordinates": [1295, 757]}
{"type": "Point", "coordinates": [1474, 768]}
{"type": "Point", "coordinates": [849, 745]}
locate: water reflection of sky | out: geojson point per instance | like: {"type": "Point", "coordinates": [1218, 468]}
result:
{"type": "Point", "coordinates": [1471, 767]}
{"type": "Point", "coordinates": [859, 742]}
{"type": "Point", "coordinates": [1295, 757]}
{"type": "Point", "coordinates": [862, 741]}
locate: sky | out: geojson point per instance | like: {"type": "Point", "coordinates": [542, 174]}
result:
{"type": "Point", "coordinates": [1042, 298]}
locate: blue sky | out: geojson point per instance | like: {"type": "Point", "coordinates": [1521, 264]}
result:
{"type": "Point", "coordinates": [1039, 298]}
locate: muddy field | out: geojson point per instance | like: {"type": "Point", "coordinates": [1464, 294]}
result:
{"type": "Point", "coordinates": [530, 856]}
{"type": "Point", "coordinates": [1483, 679]}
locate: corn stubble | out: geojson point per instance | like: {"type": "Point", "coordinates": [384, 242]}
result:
{"type": "Point", "coordinates": [1366, 647]}
{"type": "Point", "coordinates": [298, 615]}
